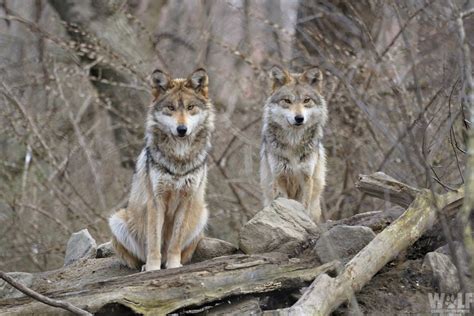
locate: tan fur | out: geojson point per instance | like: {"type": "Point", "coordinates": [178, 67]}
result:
{"type": "Point", "coordinates": [166, 213]}
{"type": "Point", "coordinates": [129, 259]}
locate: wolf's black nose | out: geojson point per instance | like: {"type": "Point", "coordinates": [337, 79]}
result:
{"type": "Point", "coordinates": [181, 129]}
{"type": "Point", "coordinates": [299, 119]}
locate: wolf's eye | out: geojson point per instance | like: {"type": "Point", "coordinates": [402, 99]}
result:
{"type": "Point", "coordinates": [288, 101]}
{"type": "Point", "coordinates": [170, 107]}
{"type": "Point", "coordinates": [306, 100]}
{"type": "Point", "coordinates": [190, 107]}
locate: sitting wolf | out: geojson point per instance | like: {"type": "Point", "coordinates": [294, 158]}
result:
{"type": "Point", "coordinates": [166, 212]}
{"type": "Point", "coordinates": [293, 161]}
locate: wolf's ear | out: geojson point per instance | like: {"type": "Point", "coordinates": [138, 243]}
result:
{"type": "Point", "coordinates": [160, 81]}
{"type": "Point", "coordinates": [199, 81]}
{"type": "Point", "coordinates": [279, 76]}
{"type": "Point", "coordinates": [314, 77]}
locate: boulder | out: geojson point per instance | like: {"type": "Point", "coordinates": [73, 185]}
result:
{"type": "Point", "coordinates": [209, 248]}
{"type": "Point", "coordinates": [342, 242]}
{"type": "Point", "coordinates": [280, 227]}
{"type": "Point", "coordinates": [7, 291]}
{"type": "Point", "coordinates": [443, 272]}
{"type": "Point", "coordinates": [460, 254]}
{"type": "Point", "coordinates": [80, 245]}
{"type": "Point", "coordinates": [105, 250]}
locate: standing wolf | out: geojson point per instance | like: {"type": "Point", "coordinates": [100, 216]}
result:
{"type": "Point", "coordinates": [293, 161]}
{"type": "Point", "coordinates": [166, 212]}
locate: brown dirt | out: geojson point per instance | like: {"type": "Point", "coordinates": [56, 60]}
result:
{"type": "Point", "coordinates": [399, 288]}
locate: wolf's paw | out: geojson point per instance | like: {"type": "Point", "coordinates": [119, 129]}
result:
{"type": "Point", "coordinates": [171, 264]}
{"type": "Point", "coordinates": [150, 266]}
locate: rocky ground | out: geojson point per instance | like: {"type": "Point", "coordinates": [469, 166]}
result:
{"type": "Point", "coordinates": [281, 234]}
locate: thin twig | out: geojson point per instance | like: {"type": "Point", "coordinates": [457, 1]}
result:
{"type": "Point", "coordinates": [402, 28]}
{"type": "Point", "coordinates": [232, 187]}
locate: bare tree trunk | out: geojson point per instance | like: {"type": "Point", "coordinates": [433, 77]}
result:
{"type": "Point", "coordinates": [468, 103]}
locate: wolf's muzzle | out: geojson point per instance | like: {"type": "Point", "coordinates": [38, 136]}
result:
{"type": "Point", "coordinates": [181, 129]}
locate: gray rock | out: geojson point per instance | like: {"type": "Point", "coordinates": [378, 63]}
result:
{"type": "Point", "coordinates": [80, 245]}
{"type": "Point", "coordinates": [209, 248]}
{"type": "Point", "coordinates": [460, 254]}
{"type": "Point", "coordinates": [342, 242]}
{"type": "Point", "coordinates": [280, 227]}
{"type": "Point", "coordinates": [443, 272]}
{"type": "Point", "coordinates": [105, 250]}
{"type": "Point", "coordinates": [7, 291]}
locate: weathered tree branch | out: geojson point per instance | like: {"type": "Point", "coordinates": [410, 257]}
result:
{"type": "Point", "coordinates": [41, 298]}
{"type": "Point", "coordinates": [387, 188]}
{"type": "Point", "coordinates": [165, 291]}
{"type": "Point", "coordinates": [375, 220]}
{"type": "Point", "coordinates": [326, 293]}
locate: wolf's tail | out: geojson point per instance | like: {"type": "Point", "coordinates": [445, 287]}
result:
{"type": "Point", "coordinates": [125, 245]}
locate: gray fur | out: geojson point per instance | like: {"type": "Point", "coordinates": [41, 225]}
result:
{"type": "Point", "coordinates": [291, 151]}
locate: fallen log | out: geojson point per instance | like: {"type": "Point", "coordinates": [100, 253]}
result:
{"type": "Point", "coordinates": [326, 293]}
{"type": "Point", "coordinates": [162, 292]}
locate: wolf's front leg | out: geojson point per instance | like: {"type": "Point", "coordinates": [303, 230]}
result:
{"type": "Point", "coordinates": [315, 209]}
{"type": "Point", "coordinates": [306, 186]}
{"type": "Point", "coordinates": [155, 218]}
{"type": "Point", "coordinates": [279, 187]}
{"type": "Point", "coordinates": [177, 235]}
{"type": "Point", "coordinates": [315, 212]}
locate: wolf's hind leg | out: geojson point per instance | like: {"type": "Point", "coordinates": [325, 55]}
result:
{"type": "Point", "coordinates": [128, 258]}
{"type": "Point", "coordinates": [126, 245]}
{"type": "Point", "coordinates": [188, 251]}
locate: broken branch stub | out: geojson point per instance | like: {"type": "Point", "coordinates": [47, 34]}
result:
{"type": "Point", "coordinates": [387, 188]}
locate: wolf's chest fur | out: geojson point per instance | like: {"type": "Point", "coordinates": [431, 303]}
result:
{"type": "Point", "coordinates": [164, 181]}
{"type": "Point", "coordinates": [177, 165]}
{"type": "Point", "coordinates": [291, 152]}
{"type": "Point", "coordinates": [172, 198]}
